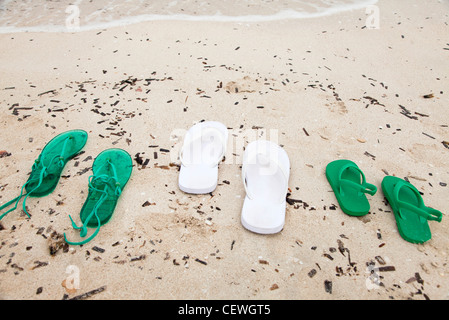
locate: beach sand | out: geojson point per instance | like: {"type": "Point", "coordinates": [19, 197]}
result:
{"type": "Point", "coordinates": [324, 88]}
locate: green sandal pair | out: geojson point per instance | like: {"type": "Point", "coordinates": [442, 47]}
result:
{"type": "Point", "coordinates": [111, 171]}
{"type": "Point", "coordinates": [349, 185]}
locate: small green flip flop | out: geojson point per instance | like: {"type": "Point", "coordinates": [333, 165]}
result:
{"type": "Point", "coordinates": [409, 210]}
{"type": "Point", "coordinates": [111, 171]}
{"type": "Point", "coordinates": [344, 177]}
{"type": "Point", "coordinates": [47, 168]}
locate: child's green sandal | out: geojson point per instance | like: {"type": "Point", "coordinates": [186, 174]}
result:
{"type": "Point", "coordinates": [409, 210]}
{"type": "Point", "coordinates": [349, 185]}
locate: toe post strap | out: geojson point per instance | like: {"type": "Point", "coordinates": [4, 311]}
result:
{"type": "Point", "coordinates": [363, 187]}
{"type": "Point", "coordinates": [420, 209]}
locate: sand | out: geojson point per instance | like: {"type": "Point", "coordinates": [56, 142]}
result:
{"type": "Point", "coordinates": [324, 88]}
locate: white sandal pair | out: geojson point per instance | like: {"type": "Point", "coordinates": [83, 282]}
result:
{"type": "Point", "coordinates": [265, 173]}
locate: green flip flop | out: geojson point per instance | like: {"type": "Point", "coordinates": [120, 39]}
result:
{"type": "Point", "coordinates": [344, 177]}
{"type": "Point", "coordinates": [111, 171]}
{"type": "Point", "coordinates": [47, 168]}
{"type": "Point", "coordinates": [409, 210]}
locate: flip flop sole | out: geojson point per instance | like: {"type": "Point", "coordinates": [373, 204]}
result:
{"type": "Point", "coordinates": [263, 213]}
{"type": "Point", "coordinates": [411, 227]}
{"type": "Point", "coordinates": [351, 202]}
{"type": "Point", "coordinates": [200, 176]}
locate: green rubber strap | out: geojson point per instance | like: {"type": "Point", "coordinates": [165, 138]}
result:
{"type": "Point", "coordinates": [421, 210]}
{"type": "Point", "coordinates": [93, 235]}
{"type": "Point", "coordinates": [364, 187]}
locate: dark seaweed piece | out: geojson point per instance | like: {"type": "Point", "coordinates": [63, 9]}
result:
{"type": "Point", "coordinates": [83, 171]}
{"type": "Point", "coordinates": [141, 257]}
{"type": "Point", "coordinates": [421, 114]}
{"type": "Point", "coordinates": [407, 113]}
{"type": "Point", "coordinates": [4, 153]}
{"type": "Point", "coordinates": [291, 201]}
{"type": "Point", "coordinates": [89, 293]}
{"type": "Point", "coordinates": [373, 101]}
{"type": "Point", "coordinates": [370, 155]}
{"type": "Point", "coordinates": [201, 261]}
{"type": "Point", "coordinates": [418, 278]}
{"type": "Point", "coordinates": [387, 268]}
{"type": "Point", "coordinates": [16, 110]}
{"type": "Point", "coordinates": [341, 247]}
{"type": "Point", "coordinates": [328, 286]}
{"type": "Point", "coordinates": [328, 256]}
{"type": "Point", "coordinates": [379, 235]}
{"type": "Point", "coordinates": [312, 273]}
{"type": "Point", "coordinates": [98, 249]}
{"type": "Point", "coordinates": [138, 158]}
{"type": "Point", "coordinates": [49, 91]}
{"type": "Point", "coordinates": [39, 264]}
{"type": "Point", "coordinates": [380, 260]}
{"type": "Point", "coordinates": [148, 203]}
{"type": "Point", "coordinates": [56, 243]}
{"type": "Point", "coordinates": [428, 135]}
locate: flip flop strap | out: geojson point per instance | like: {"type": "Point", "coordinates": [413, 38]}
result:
{"type": "Point", "coordinates": [93, 235]}
{"type": "Point", "coordinates": [272, 160]}
{"type": "Point", "coordinates": [421, 210]}
{"type": "Point", "coordinates": [198, 135]}
{"type": "Point", "coordinates": [61, 156]}
{"type": "Point", "coordinates": [42, 175]}
{"type": "Point", "coordinates": [83, 228]}
{"type": "Point", "coordinates": [364, 187]}
{"type": "Point", "coordinates": [105, 180]}
{"type": "Point", "coordinates": [21, 195]}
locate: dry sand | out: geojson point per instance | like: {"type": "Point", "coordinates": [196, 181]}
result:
{"type": "Point", "coordinates": [330, 87]}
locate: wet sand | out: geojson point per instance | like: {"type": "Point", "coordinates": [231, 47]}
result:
{"type": "Point", "coordinates": [326, 88]}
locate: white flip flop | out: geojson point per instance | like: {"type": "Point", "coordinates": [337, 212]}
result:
{"type": "Point", "coordinates": [204, 147]}
{"type": "Point", "coordinates": [265, 173]}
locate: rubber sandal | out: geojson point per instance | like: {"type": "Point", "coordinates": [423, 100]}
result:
{"type": "Point", "coordinates": [265, 174]}
{"type": "Point", "coordinates": [409, 210]}
{"type": "Point", "coordinates": [349, 185]}
{"type": "Point", "coordinates": [203, 148]}
{"type": "Point", "coordinates": [47, 168]}
{"type": "Point", "coordinates": [111, 172]}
